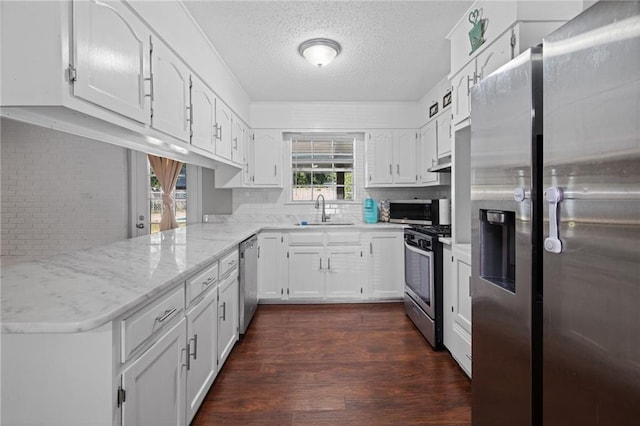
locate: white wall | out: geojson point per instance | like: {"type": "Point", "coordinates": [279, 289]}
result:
{"type": "Point", "coordinates": [59, 192]}
{"type": "Point", "coordinates": [435, 94]}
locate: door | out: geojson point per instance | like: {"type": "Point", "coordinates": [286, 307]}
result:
{"type": "Point", "coordinates": [380, 157]}
{"type": "Point", "coordinates": [170, 98]}
{"type": "Point", "coordinates": [237, 140]}
{"type": "Point", "coordinates": [224, 124]}
{"type": "Point", "coordinates": [405, 150]}
{"type": "Point", "coordinates": [444, 135]}
{"type": "Point", "coordinates": [202, 335]}
{"type": "Point", "coordinates": [227, 316]}
{"type": "Point", "coordinates": [462, 83]}
{"type": "Point", "coordinates": [269, 249]}
{"type": "Point", "coordinates": [344, 271]}
{"type": "Point", "coordinates": [503, 132]}
{"type": "Point", "coordinates": [267, 158]}
{"type": "Point", "coordinates": [111, 57]}
{"type": "Point", "coordinates": [387, 265]}
{"type": "Point", "coordinates": [202, 116]}
{"type": "Point", "coordinates": [591, 348]}
{"type": "Point", "coordinates": [428, 152]}
{"type": "Point", "coordinates": [155, 382]}
{"type": "Point", "coordinates": [306, 273]}
{"type": "Point", "coordinates": [461, 326]}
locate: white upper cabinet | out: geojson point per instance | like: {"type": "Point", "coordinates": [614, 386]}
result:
{"type": "Point", "coordinates": [380, 158]}
{"type": "Point", "coordinates": [428, 152]}
{"type": "Point", "coordinates": [170, 101]}
{"type": "Point", "coordinates": [111, 57]}
{"type": "Point", "coordinates": [223, 126]}
{"type": "Point", "coordinates": [267, 158]}
{"type": "Point", "coordinates": [444, 134]}
{"type": "Point", "coordinates": [237, 140]}
{"type": "Point", "coordinates": [202, 116]}
{"type": "Point", "coordinates": [391, 158]}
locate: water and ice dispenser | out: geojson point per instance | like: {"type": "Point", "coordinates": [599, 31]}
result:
{"type": "Point", "coordinates": [498, 248]}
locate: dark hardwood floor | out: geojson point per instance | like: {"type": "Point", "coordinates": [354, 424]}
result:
{"type": "Point", "coordinates": [355, 364]}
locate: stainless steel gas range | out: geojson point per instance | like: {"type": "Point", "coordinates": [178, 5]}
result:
{"type": "Point", "coordinates": [423, 279]}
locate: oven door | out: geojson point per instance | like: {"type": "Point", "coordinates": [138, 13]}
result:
{"type": "Point", "coordinates": [418, 276]}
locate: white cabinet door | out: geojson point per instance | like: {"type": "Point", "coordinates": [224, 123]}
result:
{"type": "Point", "coordinates": [227, 316]}
{"type": "Point", "coordinates": [155, 383]}
{"type": "Point", "coordinates": [462, 84]}
{"type": "Point", "coordinates": [247, 158]}
{"type": "Point", "coordinates": [267, 157]}
{"type": "Point", "coordinates": [202, 335]}
{"type": "Point", "coordinates": [202, 116]}
{"type": "Point", "coordinates": [111, 48]}
{"type": "Point", "coordinates": [428, 152]}
{"type": "Point", "coordinates": [269, 263]}
{"type": "Point", "coordinates": [461, 328]}
{"type": "Point", "coordinates": [387, 265]}
{"type": "Point", "coordinates": [306, 272]}
{"type": "Point", "coordinates": [448, 291]}
{"type": "Point", "coordinates": [224, 124]}
{"type": "Point", "coordinates": [344, 272]}
{"type": "Point", "coordinates": [499, 53]}
{"type": "Point", "coordinates": [379, 157]}
{"type": "Point", "coordinates": [170, 94]}
{"type": "Point", "coordinates": [237, 140]}
{"type": "Point", "coordinates": [444, 134]}
{"type": "Point", "coordinates": [405, 150]}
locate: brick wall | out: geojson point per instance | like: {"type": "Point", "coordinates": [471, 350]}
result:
{"type": "Point", "coordinates": [59, 192]}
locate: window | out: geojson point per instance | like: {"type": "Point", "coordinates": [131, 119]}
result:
{"type": "Point", "coordinates": [179, 197]}
{"type": "Point", "coordinates": [322, 164]}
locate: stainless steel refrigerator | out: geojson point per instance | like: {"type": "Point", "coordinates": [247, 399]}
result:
{"type": "Point", "coordinates": [555, 195]}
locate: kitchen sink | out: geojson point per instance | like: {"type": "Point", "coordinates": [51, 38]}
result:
{"type": "Point", "coordinates": [325, 224]}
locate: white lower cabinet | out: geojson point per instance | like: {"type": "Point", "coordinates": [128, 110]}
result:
{"type": "Point", "coordinates": [154, 385]}
{"type": "Point", "coordinates": [457, 306]}
{"type": "Point", "coordinates": [272, 266]}
{"type": "Point", "coordinates": [306, 273]}
{"type": "Point", "coordinates": [386, 270]}
{"type": "Point", "coordinates": [227, 315]}
{"type": "Point", "coordinates": [343, 274]}
{"type": "Point", "coordinates": [202, 334]}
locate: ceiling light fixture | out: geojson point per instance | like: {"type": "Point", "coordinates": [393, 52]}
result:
{"type": "Point", "coordinates": [319, 51]}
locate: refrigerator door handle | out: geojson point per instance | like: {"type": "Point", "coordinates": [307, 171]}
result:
{"type": "Point", "coordinates": [552, 243]}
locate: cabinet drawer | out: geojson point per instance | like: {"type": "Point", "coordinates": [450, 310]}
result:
{"type": "Point", "coordinates": [306, 239]}
{"type": "Point", "coordinates": [228, 263]}
{"type": "Point", "coordinates": [148, 320]}
{"type": "Point", "coordinates": [343, 238]}
{"type": "Point", "coordinates": [201, 282]}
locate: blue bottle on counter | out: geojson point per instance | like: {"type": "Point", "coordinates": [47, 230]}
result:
{"type": "Point", "coordinates": [369, 210]}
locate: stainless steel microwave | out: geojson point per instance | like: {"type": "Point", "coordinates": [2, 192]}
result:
{"type": "Point", "coordinates": [420, 212]}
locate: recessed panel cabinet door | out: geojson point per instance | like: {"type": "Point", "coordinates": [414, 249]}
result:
{"type": "Point", "coordinates": [227, 316]}
{"type": "Point", "coordinates": [344, 272]}
{"type": "Point", "coordinates": [380, 157]}
{"type": "Point", "coordinates": [444, 134]}
{"type": "Point", "coordinates": [237, 140]}
{"type": "Point", "coordinates": [428, 152]}
{"type": "Point", "coordinates": [155, 383]}
{"type": "Point", "coordinates": [202, 116]}
{"type": "Point", "coordinates": [387, 260]}
{"type": "Point", "coordinates": [224, 121]}
{"type": "Point", "coordinates": [462, 84]}
{"type": "Point", "coordinates": [202, 334]}
{"type": "Point", "coordinates": [405, 150]}
{"type": "Point", "coordinates": [266, 158]}
{"type": "Point", "coordinates": [170, 100]}
{"type": "Point", "coordinates": [306, 272]}
{"type": "Point", "coordinates": [111, 51]}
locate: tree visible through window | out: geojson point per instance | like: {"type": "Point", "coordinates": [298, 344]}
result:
{"type": "Point", "coordinates": [179, 196]}
{"type": "Point", "coordinates": [322, 164]}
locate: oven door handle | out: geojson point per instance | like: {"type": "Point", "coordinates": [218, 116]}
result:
{"type": "Point", "coordinates": [426, 253]}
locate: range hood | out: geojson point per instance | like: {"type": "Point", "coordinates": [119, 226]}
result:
{"type": "Point", "coordinates": [442, 166]}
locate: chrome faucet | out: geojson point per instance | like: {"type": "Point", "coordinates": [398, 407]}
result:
{"type": "Point", "coordinates": [324, 213]}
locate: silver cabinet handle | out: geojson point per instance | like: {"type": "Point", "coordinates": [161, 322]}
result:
{"type": "Point", "coordinates": [235, 143]}
{"type": "Point", "coordinates": [321, 264]}
{"type": "Point", "coordinates": [195, 346]}
{"type": "Point", "coordinates": [275, 170]}
{"type": "Point", "coordinates": [328, 263]}
{"type": "Point", "coordinates": [390, 169]}
{"type": "Point", "coordinates": [224, 311]}
{"type": "Point", "coordinates": [552, 243]}
{"type": "Point", "coordinates": [210, 280]}
{"type": "Point", "coordinates": [166, 314]}
{"type": "Point", "coordinates": [370, 248]}
{"type": "Point", "coordinates": [398, 168]}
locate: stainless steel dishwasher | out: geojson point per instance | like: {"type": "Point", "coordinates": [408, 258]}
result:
{"type": "Point", "coordinates": [248, 281]}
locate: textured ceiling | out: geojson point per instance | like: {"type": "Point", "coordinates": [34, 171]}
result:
{"type": "Point", "coordinates": [391, 50]}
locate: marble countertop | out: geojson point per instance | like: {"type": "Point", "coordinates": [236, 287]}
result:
{"type": "Point", "coordinates": [83, 290]}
